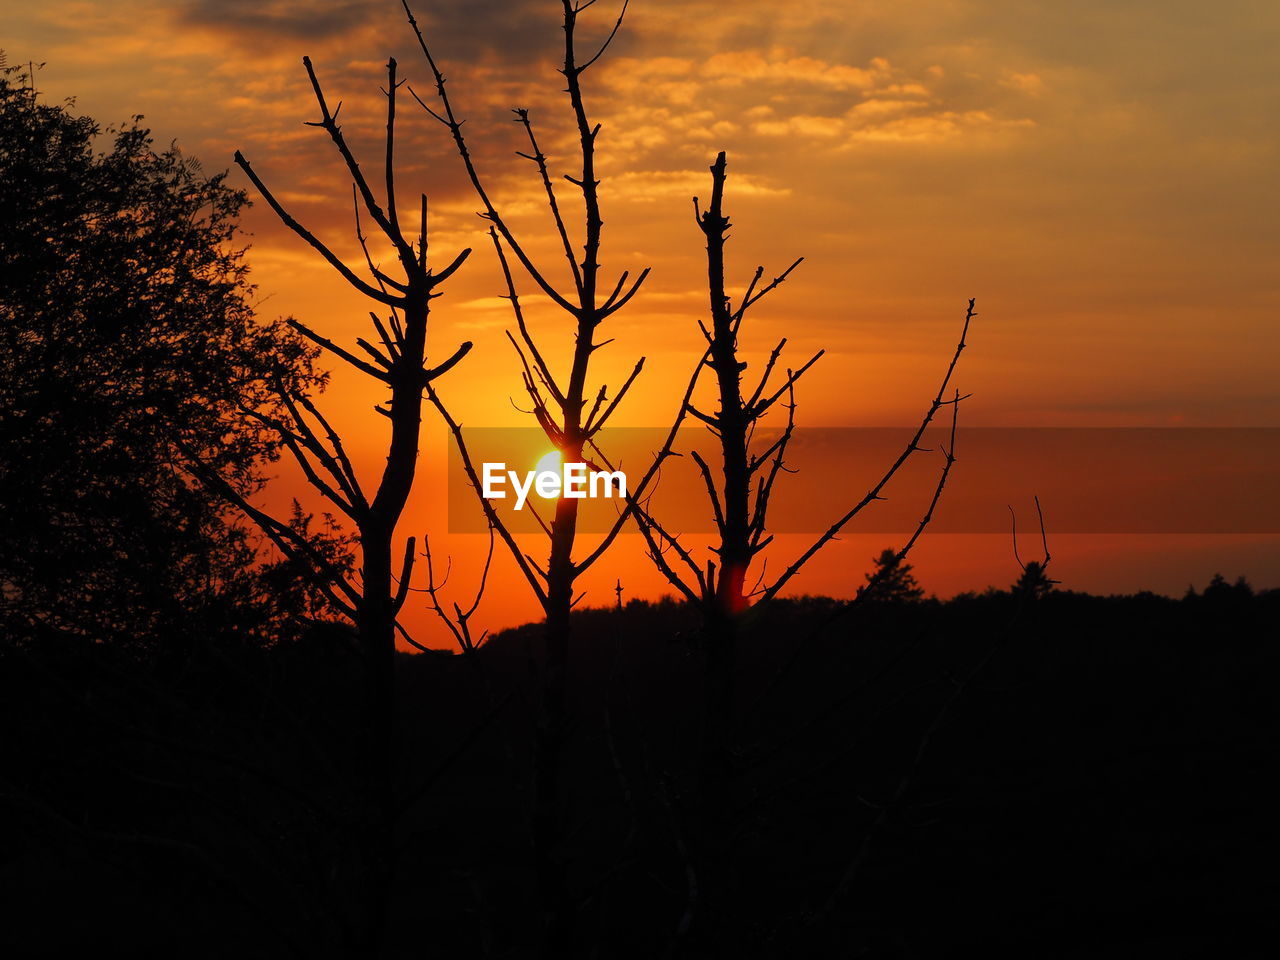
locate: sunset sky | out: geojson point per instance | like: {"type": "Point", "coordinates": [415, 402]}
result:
{"type": "Point", "coordinates": [1102, 176]}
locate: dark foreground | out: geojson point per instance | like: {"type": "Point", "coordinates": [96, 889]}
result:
{"type": "Point", "coordinates": [1074, 777]}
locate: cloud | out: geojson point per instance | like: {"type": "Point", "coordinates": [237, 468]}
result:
{"type": "Point", "coordinates": [740, 67]}
{"type": "Point", "coordinates": [674, 108]}
{"type": "Point", "coordinates": [644, 186]}
{"type": "Point", "coordinates": [1029, 83]}
{"type": "Point", "coordinates": [516, 32]}
{"type": "Point", "coordinates": [280, 19]}
{"type": "Point", "coordinates": [1115, 156]}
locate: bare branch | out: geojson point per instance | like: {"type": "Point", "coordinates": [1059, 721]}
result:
{"type": "Point", "coordinates": [601, 396]}
{"type": "Point", "coordinates": [433, 372]}
{"type": "Point", "coordinates": [592, 429]}
{"type": "Point", "coordinates": [369, 291]}
{"type": "Point", "coordinates": [374, 352]}
{"type": "Point", "coordinates": [392, 86]}
{"type": "Point", "coordinates": [1044, 540]}
{"type": "Point", "coordinates": [459, 624]}
{"type": "Point", "coordinates": [949, 458]}
{"type": "Point", "coordinates": [588, 183]}
{"type": "Point", "coordinates": [710, 421]}
{"type": "Point", "coordinates": [748, 300]}
{"type": "Point", "coordinates": [328, 123]}
{"type": "Point", "coordinates": [393, 344]}
{"type": "Point", "coordinates": [760, 510]}
{"type": "Point", "coordinates": [490, 513]}
{"type": "Point", "coordinates": [352, 486]}
{"type": "Point", "coordinates": [755, 411]}
{"type": "Point", "coordinates": [351, 501]}
{"type": "Point", "coordinates": [382, 279]}
{"type": "Point", "coordinates": [543, 370]}
{"type": "Point", "coordinates": [608, 40]}
{"type": "Point", "coordinates": [406, 575]}
{"type": "Point", "coordinates": [634, 496]}
{"type": "Point", "coordinates": [328, 579]}
{"type": "Point", "coordinates": [438, 278]}
{"type": "Point", "coordinates": [450, 120]}
{"type": "Point", "coordinates": [329, 345]}
{"type": "Point", "coordinates": [874, 494]}
{"type": "Point", "coordinates": [711, 488]}
{"type": "Point", "coordinates": [532, 508]}
{"type": "Point", "coordinates": [612, 306]}
{"type": "Point", "coordinates": [768, 369]}
{"type": "Point", "coordinates": [1013, 519]}
{"type": "Point", "coordinates": [539, 158]}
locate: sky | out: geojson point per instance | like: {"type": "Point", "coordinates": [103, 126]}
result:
{"type": "Point", "coordinates": [1101, 176]}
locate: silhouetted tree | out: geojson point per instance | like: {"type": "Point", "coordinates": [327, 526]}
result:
{"type": "Point", "coordinates": [891, 580]}
{"type": "Point", "coordinates": [373, 600]}
{"type": "Point", "coordinates": [739, 502]}
{"type": "Point", "coordinates": [1034, 581]}
{"type": "Point", "coordinates": [1219, 587]}
{"type": "Point", "coordinates": [1221, 591]}
{"type": "Point", "coordinates": [564, 410]}
{"type": "Point", "coordinates": [127, 336]}
{"type": "Point", "coordinates": [740, 499]}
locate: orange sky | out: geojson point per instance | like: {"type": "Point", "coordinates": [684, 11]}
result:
{"type": "Point", "coordinates": [1102, 176]}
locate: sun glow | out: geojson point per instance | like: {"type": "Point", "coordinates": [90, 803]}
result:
{"type": "Point", "coordinates": [550, 463]}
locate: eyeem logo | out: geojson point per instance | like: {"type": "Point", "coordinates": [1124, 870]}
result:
{"type": "Point", "coordinates": [552, 479]}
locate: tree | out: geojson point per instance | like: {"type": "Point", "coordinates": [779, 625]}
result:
{"type": "Point", "coordinates": [564, 409]}
{"type": "Point", "coordinates": [1034, 581]}
{"type": "Point", "coordinates": [141, 615]}
{"type": "Point", "coordinates": [374, 600]}
{"type": "Point", "coordinates": [739, 502]}
{"type": "Point", "coordinates": [891, 581]}
{"type": "Point", "coordinates": [127, 336]}
{"type": "Point", "coordinates": [1222, 592]}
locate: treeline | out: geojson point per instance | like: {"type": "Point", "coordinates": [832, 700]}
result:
{"type": "Point", "coordinates": [923, 778]}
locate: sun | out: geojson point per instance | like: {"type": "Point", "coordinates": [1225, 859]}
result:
{"type": "Point", "coordinates": [549, 463]}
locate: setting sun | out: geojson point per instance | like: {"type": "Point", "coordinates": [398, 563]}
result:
{"type": "Point", "coordinates": [549, 463]}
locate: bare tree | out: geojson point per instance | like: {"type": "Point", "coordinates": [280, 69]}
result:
{"type": "Point", "coordinates": [399, 361]}
{"type": "Point", "coordinates": [565, 410]}
{"type": "Point", "coordinates": [739, 499]}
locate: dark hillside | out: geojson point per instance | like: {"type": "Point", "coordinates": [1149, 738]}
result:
{"type": "Point", "coordinates": [1075, 777]}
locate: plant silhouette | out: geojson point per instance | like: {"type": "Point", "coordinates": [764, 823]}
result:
{"type": "Point", "coordinates": [221, 738]}
{"type": "Point", "coordinates": [129, 341]}
{"type": "Point", "coordinates": [891, 580]}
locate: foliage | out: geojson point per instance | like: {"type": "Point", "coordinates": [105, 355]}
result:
{"type": "Point", "coordinates": [891, 580]}
{"type": "Point", "coordinates": [1034, 581]}
{"type": "Point", "coordinates": [127, 337]}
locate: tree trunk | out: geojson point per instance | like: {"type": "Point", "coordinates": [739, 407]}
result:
{"type": "Point", "coordinates": [548, 798]}
{"type": "Point", "coordinates": [377, 631]}
{"type": "Point", "coordinates": [721, 621]}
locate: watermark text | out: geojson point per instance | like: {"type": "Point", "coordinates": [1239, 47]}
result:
{"type": "Point", "coordinates": [575, 481]}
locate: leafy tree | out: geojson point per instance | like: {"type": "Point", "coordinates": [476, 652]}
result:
{"type": "Point", "coordinates": [1219, 590]}
{"type": "Point", "coordinates": [891, 580]}
{"type": "Point", "coordinates": [1034, 581]}
{"type": "Point", "coordinates": [128, 343]}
